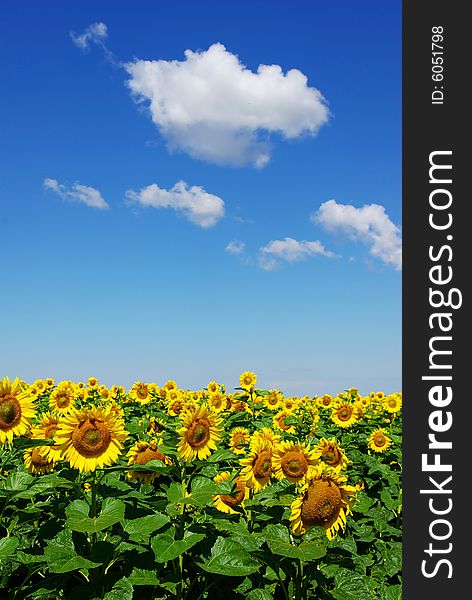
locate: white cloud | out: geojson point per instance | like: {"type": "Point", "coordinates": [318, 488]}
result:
{"type": "Point", "coordinates": [369, 224]}
{"type": "Point", "coordinates": [77, 193]}
{"type": "Point", "coordinates": [196, 205]}
{"type": "Point", "coordinates": [289, 250]}
{"type": "Point", "coordinates": [96, 33]}
{"type": "Point", "coordinates": [214, 108]}
{"type": "Point", "coordinates": [235, 247]}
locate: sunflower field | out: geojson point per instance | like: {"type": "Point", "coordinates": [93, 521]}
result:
{"type": "Point", "coordinates": [161, 492]}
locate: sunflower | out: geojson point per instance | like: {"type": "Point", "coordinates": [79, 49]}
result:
{"type": "Point", "coordinates": [36, 463]}
{"type": "Point", "coordinates": [226, 502]}
{"type": "Point", "coordinates": [239, 437]}
{"type": "Point", "coordinates": [46, 429]}
{"type": "Point", "coordinates": [199, 433]}
{"type": "Point", "coordinates": [140, 392]}
{"type": "Point", "coordinates": [279, 421]}
{"type": "Point", "coordinates": [392, 403]}
{"type": "Point", "coordinates": [16, 409]}
{"type": "Point", "coordinates": [217, 401]}
{"type": "Point", "coordinates": [213, 387]}
{"type": "Point", "coordinates": [293, 461]}
{"type": "Point", "coordinates": [62, 400]}
{"type": "Point", "coordinates": [40, 385]}
{"type": "Point", "coordinates": [91, 438]}
{"type": "Point", "coordinates": [378, 441]}
{"type": "Point", "coordinates": [324, 501]}
{"type": "Point", "coordinates": [170, 385]}
{"type": "Point", "coordinates": [325, 401]}
{"type": "Point", "coordinates": [49, 383]}
{"type": "Point", "coordinates": [92, 382]}
{"type": "Point", "coordinates": [331, 454]}
{"type": "Point", "coordinates": [273, 400]}
{"type": "Point", "coordinates": [291, 404]}
{"type": "Point", "coordinates": [267, 434]}
{"type": "Point", "coordinates": [257, 466]}
{"type": "Point", "coordinates": [140, 454]}
{"type": "Point", "coordinates": [344, 414]}
{"type": "Point", "coordinates": [247, 380]}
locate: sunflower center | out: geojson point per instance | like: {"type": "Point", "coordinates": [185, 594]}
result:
{"type": "Point", "coordinates": [10, 413]}
{"type": "Point", "coordinates": [239, 441]}
{"type": "Point", "coordinates": [62, 401]}
{"type": "Point", "coordinates": [294, 464]}
{"type": "Point", "coordinates": [149, 454]}
{"type": "Point", "coordinates": [177, 407]}
{"type": "Point", "coordinates": [37, 460]}
{"type": "Point", "coordinates": [142, 393]}
{"type": "Point", "coordinates": [344, 414]}
{"type": "Point", "coordinates": [262, 466]}
{"type": "Point", "coordinates": [392, 403]}
{"type": "Point", "coordinates": [379, 440]}
{"type": "Point", "coordinates": [198, 433]}
{"type": "Point", "coordinates": [332, 456]}
{"type": "Point", "coordinates": [50, 431]}
{"type": "Point", "coordinates": [91, 438]}
{"type": "Point", "coordinates": [237, 496]}
{"type": "Point", "coordinates": [321, 504]}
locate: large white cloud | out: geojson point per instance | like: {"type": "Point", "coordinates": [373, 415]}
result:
{"type": "Point", "coordinates": [77, 193]}
{"type": "Point", "coordinates": [289, 250]}
{"type": "Point", "coordinates": [195, 204]}
{"type": "Point", "coordinates": [214, 108]}
{"type": "Point", "coordinates": [370, 224]}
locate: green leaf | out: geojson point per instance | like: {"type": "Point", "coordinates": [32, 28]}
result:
{"type": "Point", "coordinates": [21, 443]}
{"type": "Point", "coordinates": [166, 548]}
{"type": "Point", "coordinates": [122, 590]}
{"type": "Point", "coordinates": [62, 557]}
{"type": "Point", "coordinates": [141, 528]}
{"type": "Point", "coordinates": [230, 558]}
{"type": "Point", "coordinates": [260, 594]}
{"type": "Point", "coordinates": [113, 511]}
{"type": "Point", "coordinates": [8, 546]}
{"type": "Point", "coordinates": [352, 586]}
{"type": "Point", "coordinates": [143, 577]}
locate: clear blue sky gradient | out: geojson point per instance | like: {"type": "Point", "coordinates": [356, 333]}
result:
{"type": "Point", "coordinates": [126, 294]}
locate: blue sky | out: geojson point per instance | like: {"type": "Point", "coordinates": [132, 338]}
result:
{"type": "Point", "coordinates": [95, 283]}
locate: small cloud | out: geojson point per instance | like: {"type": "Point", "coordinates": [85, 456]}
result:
{"type": "Point", "coordinates": [369, 224]}
{"type": "Point", "coordinates": [96, 33]}
{"type": "Point", "coordinates": [289, 250]}
{"type": "Point", "coordinates": [211, 106]}
{"type": "Point", "coordinates": [194, 203]}
{"type": "Point", "coordinates": [77, 193]}
{"type": "Point", "coordinates": [235, 247]}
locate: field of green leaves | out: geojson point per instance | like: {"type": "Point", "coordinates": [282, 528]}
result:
{"type": "Point", "coordinates": [159, 492]}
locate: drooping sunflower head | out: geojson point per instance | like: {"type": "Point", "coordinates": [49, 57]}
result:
{"type": "Point", "coordinates": [279, 421]}
{"type": "Point", "coordinates": [392, 403]}
{"type": "Point", "coordinates": [344, 414]}
{"type": "Point", "coordinates": [62, 400]}
{"type": "Point", "coordinates": [266, 434]}
{"type": "Point", "coordinates": [91, 438]}
{"type": "Point", "coordinates": [330, 453]}
{"type": "Point", "coordinates": [239, 439]}
{"type": "Point", "coordinates": [140, 454]}
{"type": "Point", "coordinates": [199, 434]}
{"type": "Point", "coordinates": [324, 501]}
{"type": "Point", "coordinates": [36, 462]}
{"type": "Point", "coordinates": [257, 465]}
{"type": "Point", "coordinates": [293, 461]}
{"type": "Point", "coordinates": [247, 380]}
{"type": "Point", "coordinates": [16, 409]}
{"type": "Point", "coordinates": [227, 502]}
{"type": "Point", "coordinates": [378, 440]}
